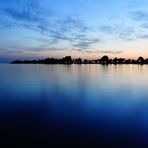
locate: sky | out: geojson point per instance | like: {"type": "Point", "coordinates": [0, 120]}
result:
{"type": "Point", "coordinates": [33, 29]}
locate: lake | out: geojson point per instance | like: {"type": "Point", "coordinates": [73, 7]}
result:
{"type": "Point", "coordinates": [74, 105]}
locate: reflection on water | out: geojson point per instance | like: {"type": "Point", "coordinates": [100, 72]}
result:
{"type": "Point", "coordinates": [50, 104]}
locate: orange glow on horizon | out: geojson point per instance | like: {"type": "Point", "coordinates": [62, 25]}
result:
{"type": "Point", "coordinates": [91, 56]}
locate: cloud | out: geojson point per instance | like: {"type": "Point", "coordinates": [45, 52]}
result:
{"type": "Point", "coordinates": [21, 13]}
{"type": "Point", "coordinates": [142, 18]}
{"type": "Point", "coordinates": [25, 11]}
{"type": "Point", "coordinates": [33, 15]}
{"type": "Point", "coordinates": [108, 29]}
{"type": "Point", "coordinates": [118, 31]}
{"type": "Point", "coordinates": [10, 51]}
{"type": "Point", "coordinates": [145, 36]}
{"type": "Point", "coordinates": [111, 52]}
{"type": "Point", "coordinates": [145, 25]}
{"type": "Point", "coordinates": [71, 22]}
{"type": "Point", "coordinates": [10, 54]}
{"type": "Point", "coordinates": [84, 44]}
{"type": "Point", "coordinates": [46, 47]}
{"type": "Point", "coordinates": [57, 28]}
{"type": "Point", "coordinates": [139, 15]}
{"type": "Point", "coordinates": [101, 51]}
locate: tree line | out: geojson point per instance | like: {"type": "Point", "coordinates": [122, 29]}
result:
{"type": "Point", "coordinates": [69, 60]}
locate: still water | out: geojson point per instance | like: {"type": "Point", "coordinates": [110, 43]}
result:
{"type": "Point", "coordinates": [74, 104]}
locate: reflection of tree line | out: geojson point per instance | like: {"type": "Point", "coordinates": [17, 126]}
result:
{"type": "Point", "coordinates": [69, 60]}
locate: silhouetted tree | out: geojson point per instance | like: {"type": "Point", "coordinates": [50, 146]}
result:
{"type": "Point", "coordinates": [121, 61]}
{"type": "Point", "coordinates": [67, 60]}
{"type": "Point", "coordinates": [17, 62]}
{"type": "Point", "coordinates": [86, 61]}
{"type": "Point", "coordinates": [115, 61]}
{"type": "Point", "coordinates": [141, 60]}
{"type": "Point", "coordinates": [146, 61]}
{"type": "Point", "coordinates": [129, 61]}
{"type": "Point", "coordinates": [78, 61]}
{"type": "Point", "coordinates": [104, 60]}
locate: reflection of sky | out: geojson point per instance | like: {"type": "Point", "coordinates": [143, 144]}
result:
{"type": "Point", "coordinates": [88, 79]}
{"type": "Point", "coordinates": [85, 28]}
{"type": "Point", "coordinates": [123, 86]}
{"type": "Point", "coordinates": [108, 97]}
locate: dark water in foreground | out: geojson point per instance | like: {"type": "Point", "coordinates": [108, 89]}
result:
{"type": "Point", "coordinates": [71, 105]}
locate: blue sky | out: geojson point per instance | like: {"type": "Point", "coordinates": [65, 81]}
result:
{"type": "Point", "coordinates": [31, 29]}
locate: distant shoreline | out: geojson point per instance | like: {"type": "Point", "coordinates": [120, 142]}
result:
{"type": "Point", "coordinates": [105, 60]}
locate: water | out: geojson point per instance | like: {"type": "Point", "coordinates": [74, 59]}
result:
{"type": "Point", "coordinates": [74, 104]}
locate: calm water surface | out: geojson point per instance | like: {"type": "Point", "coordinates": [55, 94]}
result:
{"type": "Point", "coordinates": [75, 104]}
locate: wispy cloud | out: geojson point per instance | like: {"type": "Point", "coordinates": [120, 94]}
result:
{"type": "Point", "coordinates": [142, 18]}
{"type": "Point", "coordinates": [10, 52]}
{"type": "Point", "coordinates": [145, 36]}
{"type": "Point", "coordinates": [118, 31]}
{"type": "Point", "coordinates": [139, 15]}
{"type": "Point", "coordinates": [22, 13]}
{"type": "Point", "coordinates": [84, 44]}
{"type": "Point", "coordinates": [111, 51]}
{"type": "Point", "coordinates": [115, 52]}
{"type": "Point", "coordinates": [57, 28]}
